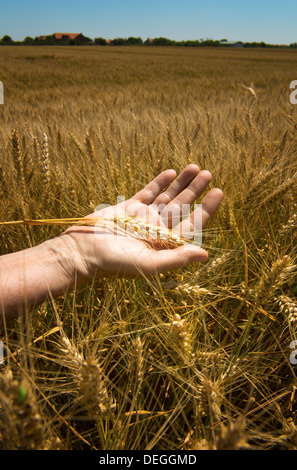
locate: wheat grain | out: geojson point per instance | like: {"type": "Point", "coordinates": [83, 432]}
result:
{"type": "Point", "coordinates": [255, 191]}
{"type": "Point", "coordinates": [93, 394]}
{"type": "Point", "coordinates": [232, 436]}
{"type": "Point", "coordinates": [44, 160]}
{"type": "Point", "coordinates": [216, 264]}
{"type": "Point", "coordinates": [18, 160]}
{"type": "Point", "coordinates": [140, 229]}
{"type": "Point", "coordinates": [189, 289]}
{"type": "Point", "coordinates": [21, 424]}
{"type": "Point", "coordinates": [289, 307]}
{"type": "Point", "coordinates": [205, 357]}
{"type": "Point", "coordinates": [90, 147]}
{"type": "Point", "coordinates": [273, 279]}
{"type": "Point", "coordinates": [93, 390]}
{"type": "Point", "coordinates": [236, 134]}
{"type": "Point", "coordinates": [69, 349]}
{"type": "Point", "coordinates": [212, 395]}
{"type": "Point", "coordinates": [181, 288]}
{"type": "Point", "coordinates": [279, 192]}
{"type": "Point", "coordinates": [3, 188]}
{"type": "Point", "coordinates": [133, 226]}
{"type": "Point", "coordinates": [179, 330]}
{"type": "Point", "coordinates": [136, 366]}
{"type": "Point", "coordinates": [291, 224]}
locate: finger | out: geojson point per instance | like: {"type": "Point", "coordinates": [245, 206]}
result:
{"type": "Point", "coordinates": [165, 260]}
{"type": "Point", "coordinates": [150, 192]}
{"type": "Point", "coordinates": [201, 215]}
{"type": "Point", "coordinates": [178, 185]}
{"type": "Point", "coordinates": [210, 203]}
{"type": "Point", "coordinates": [180, 206]}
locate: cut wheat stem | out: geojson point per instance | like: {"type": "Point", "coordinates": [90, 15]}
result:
{"type": "Point", "coordinates": [136, 227]}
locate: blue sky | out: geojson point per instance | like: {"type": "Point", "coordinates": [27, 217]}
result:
{"type": "Point", "coordinates": [270, 21]}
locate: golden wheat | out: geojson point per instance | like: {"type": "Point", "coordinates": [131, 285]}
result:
{"type": "Point", "coordinates": [289, 307]}
{"type": "Point", "coordinates": [273, 279]}
{"type": "Point", "coordinates": [133, 226]}
{"type": "Point", "coordinates": [177, 365]}
{"type": "Point", "coordinates": [21, 424]}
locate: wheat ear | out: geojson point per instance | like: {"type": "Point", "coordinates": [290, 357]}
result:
{"type": "Point", "coordinates": [21, 425]}
{"type": "Point", "coordinates": [273, 279]}
{"type": "Point", "coordinates": [133, 226]}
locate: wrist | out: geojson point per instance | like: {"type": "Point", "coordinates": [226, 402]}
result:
{"type": "Point", "coordinates": [29, 277]}
{"type": "Point", "coordinates": [71, 268]}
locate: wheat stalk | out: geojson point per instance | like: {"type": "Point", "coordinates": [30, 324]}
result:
{"type": "Point", "coordinates": [251, 90]}
{"type": "Point", "coordinates": [292, 223]}
{"type": "Point", "coordinates": [133, 226]}
{"type": "Point", "coordinates": [22, 426]}
{"type": "Point", "coordinates": [186, 288]}
{"type": "Point", "coordinates": [289, 307]}
{"type": "Point", "coordinates": [93, 393]}
{"type": "Point", "coordinates": [273, 279]}
{"type": "Point", "coordinates": [18, 159]}
{"type": "Point", "coordinates": [44, 160]}
{"type": "Point", "coordinates": [232, 436]}
{"type": "Point", "coordinates": [93, 390]}
{"type": "Point", "coordinates": [255, 191]}
{"type": "Point", "coordinates": [278, 192]}
{"type": "Point", "coordinates": [182, 337]}
{"type": "Point", "coordinates": [212, 396]}
{"type": "Point", "coordinates": [136, 366]}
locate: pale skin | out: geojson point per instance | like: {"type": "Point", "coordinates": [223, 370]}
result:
{"type": "Point", "coordinates": [82, 253]}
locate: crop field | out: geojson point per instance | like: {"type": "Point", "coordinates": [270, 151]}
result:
{"type": "Point", "coordinates": [201, 357]}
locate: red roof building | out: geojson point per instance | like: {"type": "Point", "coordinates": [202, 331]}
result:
{"type": "Point", "coordinates": [79, 37]}
{"type": "Point", "coordinates": [66, 36]}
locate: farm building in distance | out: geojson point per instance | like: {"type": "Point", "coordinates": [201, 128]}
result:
{"type": "Point", "coordinates": [232, 43]}
{"type": "Point", "coordinates": [65, 37]}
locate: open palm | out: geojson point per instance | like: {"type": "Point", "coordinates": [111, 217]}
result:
{"type": "Point", "coordinates": [103, 253]}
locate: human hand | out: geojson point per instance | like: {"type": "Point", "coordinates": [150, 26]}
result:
{"type": "Point", "coordinates": [103, 251]}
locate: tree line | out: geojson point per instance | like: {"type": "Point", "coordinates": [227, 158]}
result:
{"type": "Point", "coordinates": [133, 41]}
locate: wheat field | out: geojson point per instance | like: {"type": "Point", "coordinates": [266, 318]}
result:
{"type": "Point", "coordinates": [194, 359]}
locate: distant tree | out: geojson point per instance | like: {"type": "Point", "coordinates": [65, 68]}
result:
{"type": "Point", "coordinates": [210, 43]}
{"type": "Point", "coordinates": [134, 41]}
{"type": "Point", "coordinates": [118, 42]}
{"type": "Point", "coordinates": [50, 39]}
{"type": "Point", "coordinates": [28, 40]}
{"type": "Point", "coordinates": [189, 43]}
{"type": "Point", "coordinates": [76, 42]}
{"type": "Point", "coordinates": [163, 42]}
{"type": "Point", "coordinates": [257, 44]}
{"type": "Point", "coordinates": [100, 41]}
{"type": "Point", "coordinates": [6, 40]}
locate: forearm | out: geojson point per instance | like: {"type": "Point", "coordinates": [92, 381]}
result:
{"type": "Point", "coordinates": [29, 277]}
